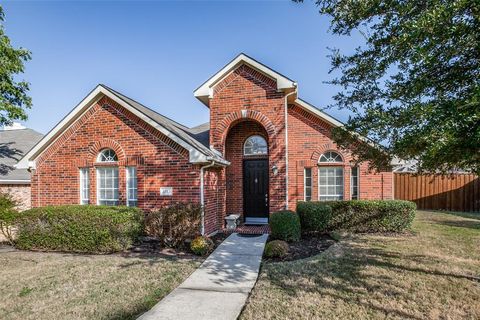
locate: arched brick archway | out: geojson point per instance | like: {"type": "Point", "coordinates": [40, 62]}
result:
{"type": "Point", "coordinates": [246, 195]}
{"type": "Point", "coordinates": [329, 147]}
{"type": "Point", "coordinates": [233, 118]}
{"type": "Point", "coordinates": [101, 144]}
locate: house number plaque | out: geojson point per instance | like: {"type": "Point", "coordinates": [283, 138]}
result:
{"type": "Point", "coordinates": [166, 191]}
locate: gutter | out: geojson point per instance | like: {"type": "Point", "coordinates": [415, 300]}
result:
{"type": "Point", "coordinates": [202, 196]}
{"type": "Point", "coordinates": [15, 181]}
{"type": "Point", "coordinates": [286, 145]}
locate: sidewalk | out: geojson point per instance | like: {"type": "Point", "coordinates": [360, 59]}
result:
{"type": "Point", "coordinates": [219, 288]}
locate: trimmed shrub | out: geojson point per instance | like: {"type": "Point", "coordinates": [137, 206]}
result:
{"type": "Point", "coordinates": [285, 225]}
{"type": "Point", "coordinates": [201, 245]}
{"type": "Point", "coordinates": [362, 215]}
{"type": "Point", "coordinates": [76, 228]}
{"type": "Point", "coordinates": [276, 249]}
{"type": "Point", "coordinates": [8, 216]}
{"type": "Point", "coordinates": [174, 225]}
{"type": "Point", "coordinates": [313, 216]}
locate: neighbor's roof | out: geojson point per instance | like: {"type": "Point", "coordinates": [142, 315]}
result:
{"type": "Point", "coordinates": [14, 144]}
{"type": "Point", "coordinates": [198, 151]}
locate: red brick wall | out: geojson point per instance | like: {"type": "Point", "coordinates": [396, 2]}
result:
{"type": "Point", "coordinates": [248, 90]}
{"type": "Point", "coordinates": [160, 162]}
{"type": "Point", "coordinates": [214, 192]}
{"type": "Point", "coordinates": [308, 138]}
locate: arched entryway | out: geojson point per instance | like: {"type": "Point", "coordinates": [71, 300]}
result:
{"type": "Point", "coordinates": [247, 148]}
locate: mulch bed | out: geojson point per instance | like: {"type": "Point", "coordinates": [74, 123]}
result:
{"type": "Point", "coordinates": [308, 246]}
{"type": "Point", "coordinates": [151, 246]}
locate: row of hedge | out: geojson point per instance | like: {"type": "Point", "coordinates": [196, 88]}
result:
{"type": "Point", "coordinates": [76, 228]}
{"type": "Point", "coordinates": [356, 215]}
{"type": "Point", "coordinates": [353, 216]}
{"type": "Point", "coordinates": [98, 229]}
{"type": "Point", "coordinates": [103, 229]}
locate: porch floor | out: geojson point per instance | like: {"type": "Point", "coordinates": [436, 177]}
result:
{"type": "Point", "coordinates": [250, 229]}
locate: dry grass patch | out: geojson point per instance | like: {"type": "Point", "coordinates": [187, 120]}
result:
{"type": "Point", "coordinates": [66, 286]}
{"type": "Point", "coordinates": [433, 273]}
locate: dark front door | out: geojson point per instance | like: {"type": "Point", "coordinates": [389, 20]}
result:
{"type": "Point", "coordinates": [255, 188]}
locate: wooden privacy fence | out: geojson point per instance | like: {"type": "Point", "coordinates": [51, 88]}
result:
{"type": "Point", "coordinates": [456, 192]}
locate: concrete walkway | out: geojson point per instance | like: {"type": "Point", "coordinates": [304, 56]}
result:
{"type": "Point", "coordinates": [219, 288]}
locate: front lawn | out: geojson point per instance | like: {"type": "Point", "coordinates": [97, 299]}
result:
{"type": "Point", "coordinates": [433, 273]}
{"type": "Point", "coordinates": [71, 286]}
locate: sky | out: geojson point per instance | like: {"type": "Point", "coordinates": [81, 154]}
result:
{"type": "Point", "coordinates": [159, 52]}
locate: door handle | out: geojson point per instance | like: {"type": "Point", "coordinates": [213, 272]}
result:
{"type": "Point", "coordinates": [266, 199]}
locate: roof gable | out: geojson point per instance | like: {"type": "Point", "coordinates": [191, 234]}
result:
{"type": "Point", "coordinates": [205, 91]}
{"type": "Point", "coordinates": [198, 153]}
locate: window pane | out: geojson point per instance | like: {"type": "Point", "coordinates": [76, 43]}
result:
{"type": "Point", "coordinates": [354, 183]}
{"type": "Point", "coordinates": [84, 186]}
{"type": "Point", "coordinates": [107, 155]}
{"type": "Point", "coordinates": [131, 186]}
{"type": "Point", "coordinates": [107, 181]}
{"type": "Point", "coordinates": [255, 145]}
{"type": "Point", "coordinates": [308, 184]}
{"type": "Point", "coordinates": [330, 156]}
{"type": "Point", "coordinates": [330, 183]}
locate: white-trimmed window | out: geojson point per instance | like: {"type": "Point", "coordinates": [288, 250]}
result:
{"type": "Point", "coordinates": [330, 157]}
{"type": "Point", "coordinates": [307, 180]}
{"type": "Point", "coordinates": [107, 155]}
{"type": "Point", "coordinates": [107, 186]}
{"type": "Point", "coordinates": [255, 145]}
{"type": "Point", "coordinates": [132, 186]}
{"type": "Point", "coordinates": [84, 186]}
{"type": "Point", "coordinates": [354, 182]}
{"type": "Point", "coordinates": [330, 183]}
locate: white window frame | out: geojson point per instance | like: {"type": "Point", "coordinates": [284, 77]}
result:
{"type": "Point", "coordinates": [129, 177]}
{"type": "Point", "coordinates": [330, 157]}
{"type": "Point", "coordinates": [84, 184]}
{"type": "Point", "coordinates": [112, 156]}
{"type": "Point", "coordinates": [342, 196]}
{"type": "Point", "coordinates": [305, 184]}
{"type": "Point", "coordinates": [255, 154]}
{"type": "Point", "coordinates": [358, 183]}
{"type": "Point", "coordinates": [99, 200]}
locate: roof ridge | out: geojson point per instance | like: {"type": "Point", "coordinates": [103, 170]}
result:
{"type": "Point", "coordinates": [178, 124]}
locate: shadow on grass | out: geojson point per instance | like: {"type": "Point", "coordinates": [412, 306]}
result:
{"type": "Point", "coordinates": [468, 215]}
{"type": "Point", "coordinates": [342, 276]}
{"type": "Point", "coordinates": [460, 224]}
{"type": "Point", "coordinates": [142, 306]}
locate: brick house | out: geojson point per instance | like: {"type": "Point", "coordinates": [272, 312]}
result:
{"type": "Point", "coordinates": [15, 142]}
{"type": "Point", "coordinates": [263, 150]}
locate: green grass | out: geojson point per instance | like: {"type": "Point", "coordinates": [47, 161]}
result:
{"type": "Point", "coordinates": [432, 273]}
{"type": "Point", "coordinates": [36, 285]}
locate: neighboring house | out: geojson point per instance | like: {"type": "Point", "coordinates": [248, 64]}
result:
{"type": "Point", "coordinates": [15, 142]}
{"type": "Point", "coordinates": [264, 150]}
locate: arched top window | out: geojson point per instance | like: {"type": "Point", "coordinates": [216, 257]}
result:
{"type": "Point", "coordinates": [107, 155]}
{"type": "Point", "coordinates": [255, 145]}
{"type": "Point", "coordinates": [330, 157]}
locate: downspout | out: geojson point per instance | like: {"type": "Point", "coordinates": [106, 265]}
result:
{"type": "Point", "coordinates": [286, 145]}
{"type": "Point", "coordinates": [202, 197]}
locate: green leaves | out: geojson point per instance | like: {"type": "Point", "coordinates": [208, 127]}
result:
{"type": "Point", "coordinates": [357, 215]}
{"type": "Point", "coordinates": [77, 228]}
{"type": "Point", "coordinates": [413, 86]}
{"type": "Point", "coordinates": [13, 93]}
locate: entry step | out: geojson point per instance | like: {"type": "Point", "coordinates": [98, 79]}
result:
{"type": "Point", "coordinates": [256, 221]}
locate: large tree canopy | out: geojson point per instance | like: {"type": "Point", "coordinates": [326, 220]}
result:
{"type": "Point", "coordinates": [414, 86]}
{"type": "Point", "coordinates": [13, 94]}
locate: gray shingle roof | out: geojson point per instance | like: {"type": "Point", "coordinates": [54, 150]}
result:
{"type": "Point", "coordinates": [14, 144]}
{"type": "Point", "coordinates": [196, 137]}
{"type": "Point", "coordinates": [202, 133]}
